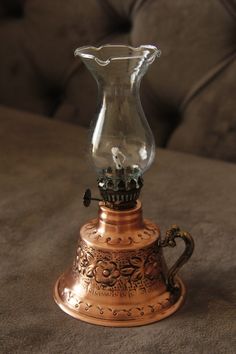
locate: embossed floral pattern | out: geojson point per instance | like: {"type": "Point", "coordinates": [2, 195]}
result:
{"type": "Point", "coordinates": [139, 268]}
{"type": "Point", "coordinates": [134, 270]}
{"type": "Point", "coordinates": [106, 273]}
{"type": "Point", "coordinates": [85, 263]}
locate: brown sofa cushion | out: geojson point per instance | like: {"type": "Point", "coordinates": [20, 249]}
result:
{"type": "Point", "coordinates": [39, 73]}
{"type": "Point", "coordinates": [209, 120]}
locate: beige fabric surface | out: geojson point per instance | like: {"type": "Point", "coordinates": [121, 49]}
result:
{"type": "Point", "coordinates": [43, 173]}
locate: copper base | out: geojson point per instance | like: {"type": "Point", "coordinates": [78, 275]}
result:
{"type": "Point", "coordinates": [119, 277]}
{"type": "Point", "coordinates": [144, 320]}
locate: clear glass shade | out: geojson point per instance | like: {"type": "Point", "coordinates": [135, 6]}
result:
{"type": "Point", "coordinates": [121, 139]}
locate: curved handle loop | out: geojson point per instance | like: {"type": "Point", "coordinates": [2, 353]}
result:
{"type": "Point", "coordinates": [171, 234]}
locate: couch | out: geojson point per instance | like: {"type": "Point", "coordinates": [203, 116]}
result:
{"type": "Point", "coordinates": [188, 94]}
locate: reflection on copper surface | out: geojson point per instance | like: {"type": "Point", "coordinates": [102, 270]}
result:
{"type": "Point", "coordinates": [119, 276]}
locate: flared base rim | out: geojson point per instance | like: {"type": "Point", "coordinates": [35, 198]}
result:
{"type": "Point", "coordinates": [148, 319]}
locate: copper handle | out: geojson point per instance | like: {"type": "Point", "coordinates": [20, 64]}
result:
{"type": "Point", "coordinates": [171, 234]}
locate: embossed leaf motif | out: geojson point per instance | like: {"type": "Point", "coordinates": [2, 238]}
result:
{"type": "Point", "coordinates": [89, 257]}
{"type": "Point", "coordinates": [151, 268]}
{"type": "Point", "coordinates": [127, 271]}
{"type": "Point", "coordinates": [85, 263]}
{"type": "Point", "coordinates": [90, 271]}
{"type": "Point", "coordinates": [137, 275]}
{"type": "Point", "coordinates": [136, 261]}
{"type": "Point", "coordinates": [135, 270]}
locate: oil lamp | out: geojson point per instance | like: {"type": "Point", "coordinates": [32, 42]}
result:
{"type": "Point", "coordinates": [119, 276]}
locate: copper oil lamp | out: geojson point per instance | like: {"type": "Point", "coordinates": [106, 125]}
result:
{"type": "Point", "coordinates": [119, 276]}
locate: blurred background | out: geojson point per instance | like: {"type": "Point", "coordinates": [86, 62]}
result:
{"type": "Point", "coordinates": [188, 95]}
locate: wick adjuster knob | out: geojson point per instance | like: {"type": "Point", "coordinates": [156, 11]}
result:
{"type": "Point", "coordinates": [88, 198]}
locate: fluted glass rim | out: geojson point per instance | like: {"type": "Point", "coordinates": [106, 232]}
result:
{"type": "Point", "coordinates": [150, 52]}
